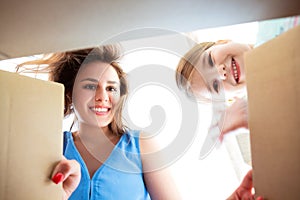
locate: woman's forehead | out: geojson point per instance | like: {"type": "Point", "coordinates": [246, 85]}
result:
{"type": "Point", "coordinates": [98, 70]}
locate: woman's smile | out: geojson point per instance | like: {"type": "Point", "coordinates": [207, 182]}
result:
{"type": "Point", "coordinates": [101, 110]}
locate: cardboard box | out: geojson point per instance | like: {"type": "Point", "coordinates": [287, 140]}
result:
{"type": "Point", "coordinates": [273, 84]}
{"type": "Point", "coordinates": [31, 137]}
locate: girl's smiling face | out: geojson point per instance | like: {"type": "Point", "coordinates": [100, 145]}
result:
{"type": "Point", "coordinates": [220, 71]}
{"type": "Point", "coordinates": [96, 93]}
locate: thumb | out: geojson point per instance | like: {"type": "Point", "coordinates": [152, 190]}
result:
{"type": "Point", "coordinates": [64, 169]}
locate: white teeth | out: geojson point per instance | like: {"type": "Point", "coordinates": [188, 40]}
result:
{"type": "Point", "coordinates": [235, 73]}
{"type": "Point", "coordinates": [100, 109]}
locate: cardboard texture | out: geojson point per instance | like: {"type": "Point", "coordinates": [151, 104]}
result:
{"type": "Point", "coordinates": [273, 84]}
{"type": "Point", "coordinates": [31, 137]}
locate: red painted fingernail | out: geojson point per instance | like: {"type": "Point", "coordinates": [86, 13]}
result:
{"type": "Point", "coordinates": [59, 177]}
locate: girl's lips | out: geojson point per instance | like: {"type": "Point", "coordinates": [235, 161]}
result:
{"type": "Point", "coordinates": [236, 72]}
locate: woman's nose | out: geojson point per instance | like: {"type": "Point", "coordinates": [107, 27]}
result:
{"type": "Point", "coordinates": [101, 95]}
{"type": "Point", "coordinates": [222, 71]}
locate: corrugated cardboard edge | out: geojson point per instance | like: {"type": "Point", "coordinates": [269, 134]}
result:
{"type": "Point", "coordinates": [28, 156]}
{"type": "Point", "coordinates": [273, 84]}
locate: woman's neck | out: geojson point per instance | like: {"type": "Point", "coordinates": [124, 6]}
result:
{"type": "Point", "coordinates": [91, 134]}
{"type": "Point", "coordinates": [94, 144]}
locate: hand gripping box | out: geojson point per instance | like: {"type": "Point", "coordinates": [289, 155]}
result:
{"type": "Point", "coordinates": [273, 84]}
{"type": "Point", "coordinates": [31, 115]}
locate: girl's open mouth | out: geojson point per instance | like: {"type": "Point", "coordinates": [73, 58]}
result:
{"type": "Point", "coordinates": [235, 70]}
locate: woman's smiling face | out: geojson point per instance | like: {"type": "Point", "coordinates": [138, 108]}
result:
{"type": "Point", "coordinates": [220, 71]}
{"type": "Point", "coordinates": [96, 93]}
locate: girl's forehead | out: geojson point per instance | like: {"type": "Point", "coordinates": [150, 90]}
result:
{"type": "Point", "coordinates": [232, 46]}
{"type": "Point", "coordinates": [220, 45]}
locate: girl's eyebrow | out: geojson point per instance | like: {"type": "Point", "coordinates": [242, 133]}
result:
{"type": "Point", "coordinates": [208, 86]}
{"type": "Point", "coordinates": [208, 58]}
{"type": "Point", "coordinates": [204, 60]}
{"type": "Point", "coordinates": [204, 65]}
{"type": "Point", "coordinates": [199, 64]}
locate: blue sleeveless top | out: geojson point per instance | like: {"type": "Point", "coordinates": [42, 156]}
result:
{"type": "Point", "coordinates": [119, 177]}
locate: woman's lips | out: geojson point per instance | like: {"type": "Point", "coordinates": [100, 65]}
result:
{"type": "Point", "coordinates": [236, 72]}
{"type": "Point", "coordinates": [100, 110]}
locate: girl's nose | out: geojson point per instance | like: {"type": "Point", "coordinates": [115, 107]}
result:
{"type": "Point", "coordinates": [222, 71]}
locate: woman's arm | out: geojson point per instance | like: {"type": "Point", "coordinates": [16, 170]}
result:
{"type": "Point", "coordinates": [68, 172]}
{"type": "Point", "coordinates": [158, 179]}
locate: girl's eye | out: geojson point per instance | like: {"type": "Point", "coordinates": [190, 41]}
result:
{"type": "Point", "coordinates": [210, 61]}
{"type": "Point", "coordinates": [216, 85]}
{"type": "Point", "coordinates": [90, 87]}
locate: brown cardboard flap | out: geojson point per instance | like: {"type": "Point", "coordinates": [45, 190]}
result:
{"type": "Point", "coordinates": [273, 84]}
{"type": "Point", "coordinates": [31, 137]}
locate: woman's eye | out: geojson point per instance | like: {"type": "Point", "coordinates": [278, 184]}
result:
{"type": "Point", "coordinates": [210, 61]}
{"type": "Point", "coordinates": [216, 85]}
{"type": "Point", "coordinates": [112, 89]}
{"type": "Point", "coordinates": [90, 87]}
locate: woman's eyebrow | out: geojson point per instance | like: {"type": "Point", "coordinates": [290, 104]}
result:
{"type": "Point", "coordinates": [96, 81]}
{"type": "Point", "coordinates": [90, 79]}
{"type": "Point", "coordinates": [113, 82]}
